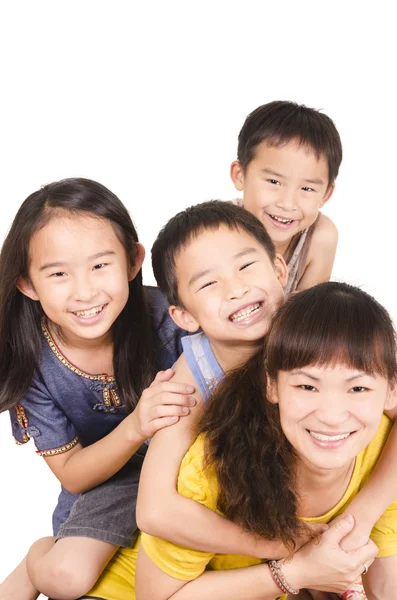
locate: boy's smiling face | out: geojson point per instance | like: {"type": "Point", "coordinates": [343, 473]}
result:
{"type": "Point", "coordinates": [284, 186]}
{"type": "Point", "coordinates": [228, 286]}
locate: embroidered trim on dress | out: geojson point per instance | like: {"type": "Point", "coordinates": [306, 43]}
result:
{"type": "Point", "coordinates": [59, 450]}
{"type": "Point", "coordinates": [23, 422]}
{"type": "Point", "coordinates": [110, 396]}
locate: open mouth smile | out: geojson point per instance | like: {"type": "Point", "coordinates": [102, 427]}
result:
{"type": "Point", "coordinates": [244, 313]}
{"type": "Point", "coordinates": [280, 222]}
{"type": "Point", "coordinates": [328, 441]}
{"type": "Point", "coordinates": [90, 312]}
{"type": "Point", "coordinates": [322, 437]}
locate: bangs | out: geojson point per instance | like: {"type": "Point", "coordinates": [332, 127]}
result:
{"type": "Point", "coordinates": [310, 142]}
{"type": "Point", "coordinates": [332, 324]}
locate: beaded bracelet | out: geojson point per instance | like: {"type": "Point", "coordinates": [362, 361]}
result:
{"type": "Point", "coordinates": [279, 579]}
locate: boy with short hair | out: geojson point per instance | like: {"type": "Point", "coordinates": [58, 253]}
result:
{"type": "Point", "coordinates": [288, 158]}
{"type": "Point", "coordinates": [217, 267]}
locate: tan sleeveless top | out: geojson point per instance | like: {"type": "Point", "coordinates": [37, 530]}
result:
{"type": "Point", "coordinates": [296, 254]}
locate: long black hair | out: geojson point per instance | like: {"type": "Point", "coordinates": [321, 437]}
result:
{"type": "Point", "coordinates": [20, 317]}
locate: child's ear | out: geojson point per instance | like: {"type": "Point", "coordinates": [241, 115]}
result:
{"type": "Point", "coordinates": [271, 391]}
{"type": "Point", "coordinates": [237, 175]}
{"type": "Point", "coordinates": [26, 288]}
{"type": "Point", "coordinates": [136, 265]}
{"type": "Point", "coordinates": [183, 318]}
{"type": "Point", "coordinates": [281, 269]}
{"type": "Point", "coordinates": [328, 195]}
{"type": "Point", "coordinates": [391, 399]}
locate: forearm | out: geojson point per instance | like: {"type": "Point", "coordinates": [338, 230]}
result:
{"type": "Point", "coordinates": [200, 528]}
{"type": "Point", "coordinates": [381, 581]}
{"type": "Point", "coordinates": [98, 462]}
{"type": "Point", "coordinates": [250, 583]}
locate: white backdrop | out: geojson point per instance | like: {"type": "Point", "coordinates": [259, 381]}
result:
{"type": "Point", "coordinates": [148, 99]}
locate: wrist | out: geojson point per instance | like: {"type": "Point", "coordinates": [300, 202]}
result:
{"type": "Point", "coordinates": [365, 514]}
{"type": "Point", "coordinates": [133, 433]}
{"type": "Point", "coordinates": [270, 549]}
{"type": "Point", "coordinates": [294, 572]}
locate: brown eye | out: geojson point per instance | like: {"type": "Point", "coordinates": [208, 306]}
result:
{"type": "Point", "coordinates": [308, 388]}
{"type": "Point", "coordinates": [58, 274]}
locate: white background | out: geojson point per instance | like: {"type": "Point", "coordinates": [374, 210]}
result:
{"type": "Point", "coordinates": [148, 99]}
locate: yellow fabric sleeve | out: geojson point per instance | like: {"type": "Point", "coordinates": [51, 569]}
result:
{"type": "Point", "coordinates": [384, 532]}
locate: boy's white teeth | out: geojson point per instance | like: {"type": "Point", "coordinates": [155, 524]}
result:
{"type": "Point", "coordinates": [280, 220]}
{"type": "Point", "coordinates": [240, 315]}
{"type": "Point", "coordinates": [89, 313]}
{"type": "Point", "coordinates": [329, 438]}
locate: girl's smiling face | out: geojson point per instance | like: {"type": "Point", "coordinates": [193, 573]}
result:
{"type": "Point", "coordinates": [330, 413]}
{"type": "Point", "coordinates": [79, 272]}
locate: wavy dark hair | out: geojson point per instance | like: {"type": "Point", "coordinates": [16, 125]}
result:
{"type": "Point", "coordinates": [331, 323]}
{"type": "Point", "coordinates": [280, 122]}
{"type": "Point", "coordinates": [20, 317]}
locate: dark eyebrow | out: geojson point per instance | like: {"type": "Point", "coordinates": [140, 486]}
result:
{"type": "Point", "coordinates": [271, 172]}
{"type": "Point", "coordinates": [314, 181]}
{"type": "Point", "coordinates": [244, 252]}
{"type": "Point", "coordinates": [240, 254]}
{"type": "Point", "coordinates": [53, 265]}
{"type": "Point", "coordinates": [318, 379]}
{"type": "Point", "coordinates": [306, 375]}
{"type": "Point", "coordinates": [360, 375]}
{"type": "Point", "coordinates": [198, 276]}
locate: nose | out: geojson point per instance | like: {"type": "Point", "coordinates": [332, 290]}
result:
{"type": "Point", "coordinates": [83, 289]}
{"type": "Point", "coordinates": [332, 411]}
{"type": "Point", "coordinates": [287, 200]}
{"type": "Point", "coordinates": [236, 289]}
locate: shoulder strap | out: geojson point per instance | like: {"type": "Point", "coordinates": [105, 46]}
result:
{"type": "Point", "coordinates": [202, 362]}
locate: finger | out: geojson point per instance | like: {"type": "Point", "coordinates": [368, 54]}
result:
{"type": "Point", "coordinates": [171, 398]}
{"type": "Point", "coordinates": [173, 387]}
{"type": "Point", "coordinates": [176, 388]}
{"type": "Point", "coordinates": [162, 376]}
{"type": "Point", "coordinates": [362, 568]}
{"type": "Point", "coordinates": [158, 424]}
{"type": "Point", "coordinates": [365, 554]}
{"type": "Point", "coordinates": [169, 410]}
{"type": "Point", "coordinates": [338, 528]}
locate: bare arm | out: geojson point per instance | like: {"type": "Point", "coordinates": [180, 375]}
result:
{"type": "Point", "coordinates": [161, 405]}
{"type": "Point", "coordinates": [250, 583]}
{"type": "Point", "coordinates": [321, 255]}
{"type": "Point", "coordinates": [381, 580]}
{"type": "Point", "coordinates": [318, 565]}
{"type": "Point", "coordinates": [377, 494]}
{"type": "Point", "coordinates": [158, 500]}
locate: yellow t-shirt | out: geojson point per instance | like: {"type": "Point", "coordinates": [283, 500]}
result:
{"type": "Point", "coordinates": [200, 485]}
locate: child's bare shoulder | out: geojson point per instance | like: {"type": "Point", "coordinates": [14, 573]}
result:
{"type": "Point", "coordinates": [325, 234]}
{"type": "Point", "coordinates": [321, 253]}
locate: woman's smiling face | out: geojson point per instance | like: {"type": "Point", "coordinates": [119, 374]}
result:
{"type": "Point", "coordinates": [330, 414]}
